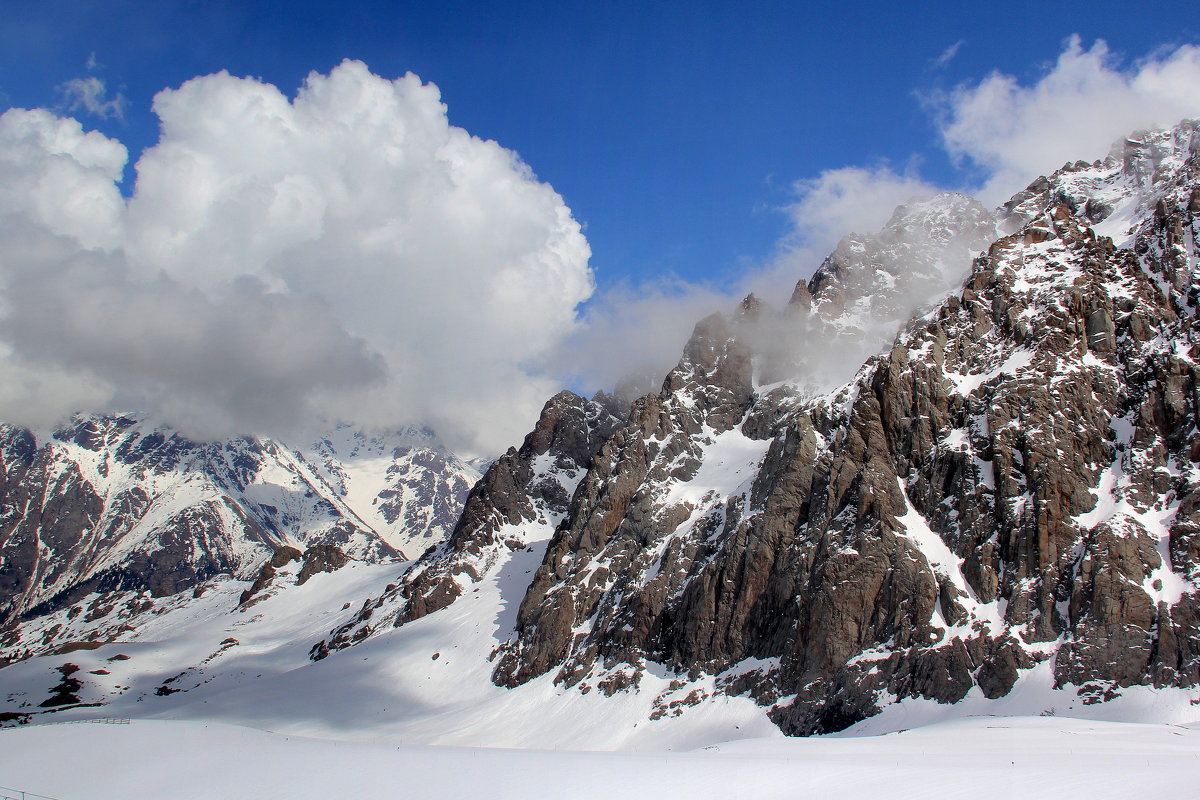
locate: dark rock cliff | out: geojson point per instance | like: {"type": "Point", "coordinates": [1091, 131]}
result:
{"type": "Point", "coordinates": [1014, 480]}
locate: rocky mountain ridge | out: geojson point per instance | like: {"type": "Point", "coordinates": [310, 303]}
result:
{"type": "Point", "coordinates": [1011, 484]}
{"type": "Point", "coordinates": [868, 288]}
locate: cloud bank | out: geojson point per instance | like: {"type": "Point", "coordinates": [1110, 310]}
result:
{"type": "Point", "coordinates": [283, 263]}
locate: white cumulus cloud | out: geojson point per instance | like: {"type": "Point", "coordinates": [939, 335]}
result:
{"type": "Point", "coordinates": [1075, 110]}
{"type": "Point", "coordinates": [346, 254]}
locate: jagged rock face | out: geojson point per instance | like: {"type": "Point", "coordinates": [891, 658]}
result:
{"type": "Point", "coordinates": [616, 514]}
{"type": "Point", "coordinates": [516, 505]}
{"type": "Point", "coordinates": [1014, 480]}
{"type": "Point", "coordinates": [112, 503]}
{"type": "Point", "coordinates": [1118, 194]}
{"type": "Point", "coordinates": [917, 255]}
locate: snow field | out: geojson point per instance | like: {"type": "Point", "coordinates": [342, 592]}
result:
{"type": "Point", "coordinates": [981, 758]}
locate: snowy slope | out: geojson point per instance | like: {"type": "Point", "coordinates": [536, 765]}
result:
{"type": "Point", "coordinates": [212, 658]}
{"type": "Point", "coordinates": [406, 485]}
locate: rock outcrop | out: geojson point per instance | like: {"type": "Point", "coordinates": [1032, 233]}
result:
{"type": "Point", "coordinates": [316, 559]}
{"type": "Point", "coordinates": [515, 505]}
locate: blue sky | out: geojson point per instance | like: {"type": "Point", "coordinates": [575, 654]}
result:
{"type": "Point", "coordinates": [673, 130]}
{"type": "Point", "coordinates": [314, 240]}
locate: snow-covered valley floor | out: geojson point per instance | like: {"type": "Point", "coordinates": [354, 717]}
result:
{"type": "Point", "coordinates": [979, 757]}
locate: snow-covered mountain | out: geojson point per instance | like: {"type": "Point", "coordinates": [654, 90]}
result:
{"type": "Point", "coordinates": [868, 288]}
{"type": "Point", "coordinates": [118, 504]}
{"type": "Point", "coordinates": [996, 513]}
{"type": "Point", "coordinates": [406, 485]}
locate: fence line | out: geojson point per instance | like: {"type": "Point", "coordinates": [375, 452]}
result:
{"type": "Point", "coordinates": [16, 794]}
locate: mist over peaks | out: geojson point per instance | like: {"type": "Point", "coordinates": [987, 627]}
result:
{"type": "Point", "coordinates": [1001, 132]}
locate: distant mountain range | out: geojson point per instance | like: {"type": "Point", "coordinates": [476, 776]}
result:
{"type": "Point", "coordinates": [119, 504]}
